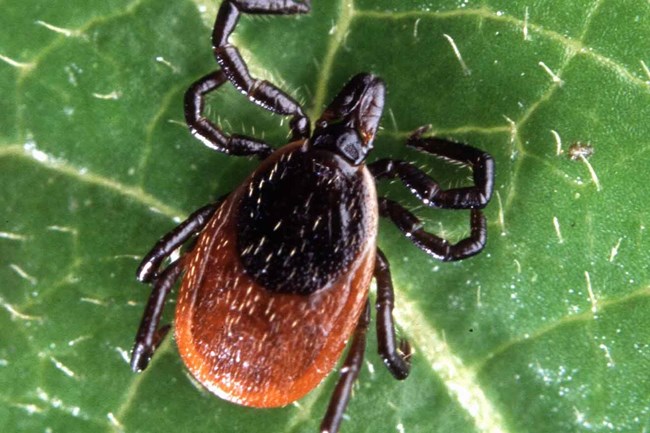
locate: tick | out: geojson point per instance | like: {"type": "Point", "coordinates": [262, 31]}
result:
{"type": "Point", "coordinates": [277, 280]}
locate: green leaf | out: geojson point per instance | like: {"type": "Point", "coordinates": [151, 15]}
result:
{"type": "Point", "coordinates": [545, 331]}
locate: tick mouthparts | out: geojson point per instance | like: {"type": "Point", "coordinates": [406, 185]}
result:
{"type": "Point", "coordinates": [369, 110]}
{"type": "Point", "coordinates": [359, 104]}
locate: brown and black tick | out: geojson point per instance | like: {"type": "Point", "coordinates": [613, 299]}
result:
{"type": "Point", "coordinates": [277, 281]}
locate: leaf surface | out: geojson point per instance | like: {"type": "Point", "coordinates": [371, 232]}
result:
{"type": "Point", "coordinates": [545, 331]}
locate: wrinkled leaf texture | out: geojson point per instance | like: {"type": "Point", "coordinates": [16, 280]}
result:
{"type": "Point", "coordinates": [546, 331]}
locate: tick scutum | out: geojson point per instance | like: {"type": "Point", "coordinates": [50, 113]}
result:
{"type": "Point", "coordinates": [302, 220]}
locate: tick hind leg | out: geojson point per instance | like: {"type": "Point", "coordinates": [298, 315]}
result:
{"type": "Point", "coordinates": [150, 264]}
{"type": "Point", "coordinates": [234, 67]}
{"type": "Point", "coordinates": [150, 333]}
{"type": "Point", "coordinates": [397, 362]}
{"type": "Point", "coordinates": [349, 373]}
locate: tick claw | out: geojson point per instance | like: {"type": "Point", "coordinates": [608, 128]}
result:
{"type": "Point", "coordinates": [140, 358]}
{"type": "Point", "coordinates": [417, 134]}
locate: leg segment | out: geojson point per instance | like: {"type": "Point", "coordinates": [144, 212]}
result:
{"type": "Point", "coordinates": [148, 269]}
{"type": "Point", "coordinates": [349, 373]}
{"type": "Point", "coordinates": [435, 246]}
{"type": "Point", "coordinates": [233, 66]}
{"type": "Point", "coordinates": [427, 189]}
{"type": "Point", "coordinates": [397, 363]}
{"type": "Point", "coordinates": [206, 131]}
{"type": "Point", "coordinates": [149, 334]}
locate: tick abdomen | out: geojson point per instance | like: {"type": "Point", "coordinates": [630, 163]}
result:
{"type": "Point", "coordinates": [230, 321]}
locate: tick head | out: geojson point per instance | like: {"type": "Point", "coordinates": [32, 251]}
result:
{"type": "Point", "coordinates": [348, 125]}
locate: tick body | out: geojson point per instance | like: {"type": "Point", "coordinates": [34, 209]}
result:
{"type": "Point", "coordinates": [277, 281]}
{"type": "Point", "coordinates": [278, 278]}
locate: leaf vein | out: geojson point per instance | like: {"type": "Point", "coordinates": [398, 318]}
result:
{"type": "Point", "coordinates": [570, 45]}
{"type": "Point", "coordinates": [586, 316]}
{"type": "Point", "coordinates": [51, 163]}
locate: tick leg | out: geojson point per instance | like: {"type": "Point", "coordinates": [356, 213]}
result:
{"type": "Point", "coordinates": [148, 269]}
{"type": "Point", "coordinates": [428, 190]}
{"type": "Point", "coordinates": [349, 373]}
{"type": "Point", "coordinates": [397, 362]}
{"type": "Point", "coordinates": [206, 131]}
{"type": "Point", "coordinates": [149, 334]}
{"type": "Point", "coordinates": [260, 92]}
{"type": "Point", "coordinates": [435, 246]}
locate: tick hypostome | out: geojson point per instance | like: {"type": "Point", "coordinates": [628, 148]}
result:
{"type": "Point", "coordinates": [277, 281]}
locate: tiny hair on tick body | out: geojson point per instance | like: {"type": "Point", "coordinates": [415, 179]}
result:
{"type": "Point", "coordinates": [276, 283]}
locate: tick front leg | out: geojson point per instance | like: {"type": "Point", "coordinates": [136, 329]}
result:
{"type": "Point", "coordinates": [397, 362]}
{"type": "Point", "coordinates": [209, 133]}
{"type": "Point", "coordinates": [149, 334]}
{"type": "Point", "coordinates": [435, 246]}
{"type": "Point", "coordinates": [349, 374]}
{"type": "Point", "coordinates": [260, 92]}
